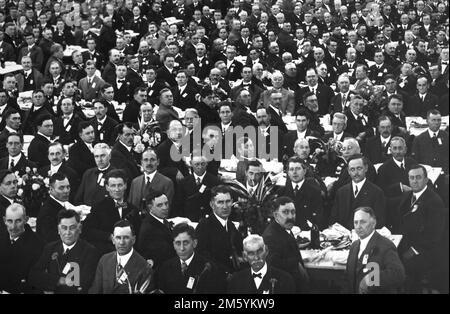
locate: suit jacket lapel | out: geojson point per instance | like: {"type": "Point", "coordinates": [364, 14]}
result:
{"type": "Point", "coordinates": [367, 252]}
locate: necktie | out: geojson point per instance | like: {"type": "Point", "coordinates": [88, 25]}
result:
{"type": "Point", "coordinates": [384, 144]}
{"type": "Point", "coordinates": [11, 165]}
{"type": "Point", "coordinates": [147, 183]}
{"type": "Point", "coordinates": [413, 199]}
{"type": "Point", "coordinates": [198, 181]}
{"type": "Point", "coordinates": [99, 126]}
{"type": "Point", "coordinates": [313, 90]}
{"type": "Point", "coordinates": [344, 100]}
{"type": "Point", "coordinates": [402, 166]}
{"type": "Point", "coordinates": [121, 81]}
{"type": "Point", "coordinates": [296, 190]}
{"type": "Point", "coordinates": [251, 190]}
{"type": "Point", "coordinates": [356, 190]}
{"type": "Point", "coordinates": [258, 275]}
{"type": "Point", "coordinates": [434, 135]}
{"type": "Point", "coordinates": [184, 267]}
{"type": "Point", "coordinates": [89, 81]}
{"type": "Point", "coordinates": [423, 98]}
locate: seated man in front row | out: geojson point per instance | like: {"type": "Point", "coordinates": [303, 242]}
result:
{"type": "Point", "coordinates": [387, 271]}
{"type": "Point", "coordinates": [189, 272]}
{"type": "Point", "coordinates": [260, 278]}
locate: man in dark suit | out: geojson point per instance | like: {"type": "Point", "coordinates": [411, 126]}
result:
{"type": "Point", "coordinates": [34, 51]}
{"type": "Point", "coordinates": [30, 79]}
{"type": "Point", "coordinates": [124, 267]}
{"type": "Point", "coordinates": [260, 278]}
{"type": "Point", "coordinates": [92, 187]}
{"type": "Point", "coordinates": [8, 52]}
{"type": "Point", "coordinates": [66, 126]}
{"type": "Point", "coordinates": [341, 101]}
{"type": "Point", "coordinates": [371, 248]}
{"type": "Point", "coordinates": [104, 126]}
{"type": "Point", "coordinates": [38, 109]}
{"type": "Point", "coordinates": [338, 124]}
{"type": "Point", "coordinates": [268, 137]}
{"type": "Point", "coordinates": [131, 112]}
{"type": "Point", "coordinates": [46, 223]}
{"type": "Point", "coordinates": [90, 85]}
{"type": "Point", "coordinates": [93, 55]}
{"type": "Point", "coordinates": [183, 94]}
{"type": "Point", "coordinates": [122, 154]}
{"type": "Point", "coordinates": [155, 240]}
{"type": "Point", "coordinates": [109, 72]}
{"type": "Point", "coordinates": [68, 264]}
{"type": "Point", "coordinates": [189, 272]}
{"type": "Point", "coordinates": [153, 86]}
{"type": "Point", "coordinates": [358, 124]}
{"type": "Point", "coordinates": [432, 146]}
{"type": "Point", "coordinates": [423, 101]}
{"type": "Point", "coordinates": [151, 180]}
{"type": "Point", "coordinates": [360, 192]}
{"type": "Point", "coordinates": [377, 147]}
{"type": "Point", "coordinates": [166, 72]}
{"type": "Point", "coordinates": [302, 119]}
{"type": "Point", "coordinates": [323, 92]}
{"type": "Point", "coordinates": [283, 250]}
{"type": "Point", "coordinates": [234, 67]}
{"type": "Point", "coordinates": [218, 238]}
{"type": "Point", "coordinates": [255, 90]}
{"type": "Point", "coordinates": [107, 97]}
{"type": "Point", "coordinates": [10, 118]}
{"type": "Point", "coordinates": [194, 193]}
{"type": "Point", "coordinates": [56, 155]}
{"type": "Point", "coordinates": [80, 153]}
{"type": "Point", "coordinates": [175, 170]}
{"type": "Point", "coordinates": [202, 63]}
{"type": "Point", "coordinates": [16, 160]}
{"type": "Point", "coordinates": [8, 193]}
{"type": "Point", "coordinates": [421, 220]}
{"type": "Point", "coordinates": [123, 90]}
{"type": "Point", "coordinates": [275, 111]}
{"type": "Point", "coordinates": [392, 175]}
{"type": "Point", "coordinates": [305, 193]}
{"type": "Point", "coordinates": [41, 141]}
{"type": "Point", "coordinates": [20, 248]}
{"type": "Point", "coordinates": [379, 69]}
{"type": "Point", "coordinates": [98, 225]}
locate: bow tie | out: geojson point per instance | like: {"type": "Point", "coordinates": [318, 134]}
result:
{"type": "Point", "coordinates": [246, 84]}
{"type": "Point", "coordinates": [101, 171]}
{"type": "Point", "coordinates": [123, 205]}
{"type": "Point", "coordinates": [121, 81]}
{"type": "Point", "coordinates": [445, 62]}
{"type": "Point", "coordinates": [257, 275]}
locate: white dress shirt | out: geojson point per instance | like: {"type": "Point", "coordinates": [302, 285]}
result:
{"type": "Point", "coordinates": [359, 185]}
{"type": "Point", "coordinates": [123, 259]}
{"type": "Point", "coordinates": [363, 243]}
{"type": "Point", "coordinates": [263, 272]}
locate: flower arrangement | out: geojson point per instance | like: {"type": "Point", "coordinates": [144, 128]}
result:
{"type": "Point", "coordinates": [32, 189]}
{"type": "Point", "coordinates": [254, 211]}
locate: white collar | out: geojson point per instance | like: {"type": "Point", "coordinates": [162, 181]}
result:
{"type": "Point", "coordinates": [182, 88]}
{"type": "Point", "coordinates": [314, 87]}
{"type": "Point", "coordinates": [189, 260]}
{"type": "Point", "coordinates": [102, 121]}
{"type": "Point", "coordinates": [299, 184]}
{"type": "Point", "coordinates": [222, 221]}
{"type": "Point", "coordinates": [28, 72]}
{"type": "Point", "coordinates": [170, 70]}
{"type": "Point", "coordinates": [15, 158]}
{"type": "Point", "coordinates": [201, 177]}
{"type": "Point", "coordinates": [9, 199]}
{"type": "Point", "coordinates": [63, 204]}
{"type": "Point", "coordinates": [301, 134]}
{"type": "Point", "coordinates": [385, 139]}
{"type": "Point", "coordinates": [68, 247]}
{"type": "Point", "coordinates": [363, 243]}
{"type": "Point", "coordinates": [262, 271]}
{"type": "Point", "coordinates": [150, 84]}
{"type": "Point", "coordinates": [10, 130]}
{"type": "Point", "coordinates": [123, 259]}
{"type": "Point", "coordinates": [159, 219]}
{"type": "Point", "coordinates": [149, 176]}
{"type": "Point", "coordinates": [432, 133]}
{"type": "Point", "coordinates": [128, 148]}
{"type": "Point", "coordinates": [225, 126]}
{"type": "Point", "coordinates": [55, 169]}
{"type": "Point", "coordinates": [359, 185]}
{"type": "Point", "coordinates": [48, 138]}
{"type": "Point", "coordinates": [251, 187]}
{"type": "Point", "coordinates": [229, 62]}
{"type": "Point", "coordinates": [419, 194]}
{"type": "Point", "coordinates": [275, 109]}
{"type": "Point", "coordinates": [399, 163]}
{"type": "Point", "coordinates": [89, 145]}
